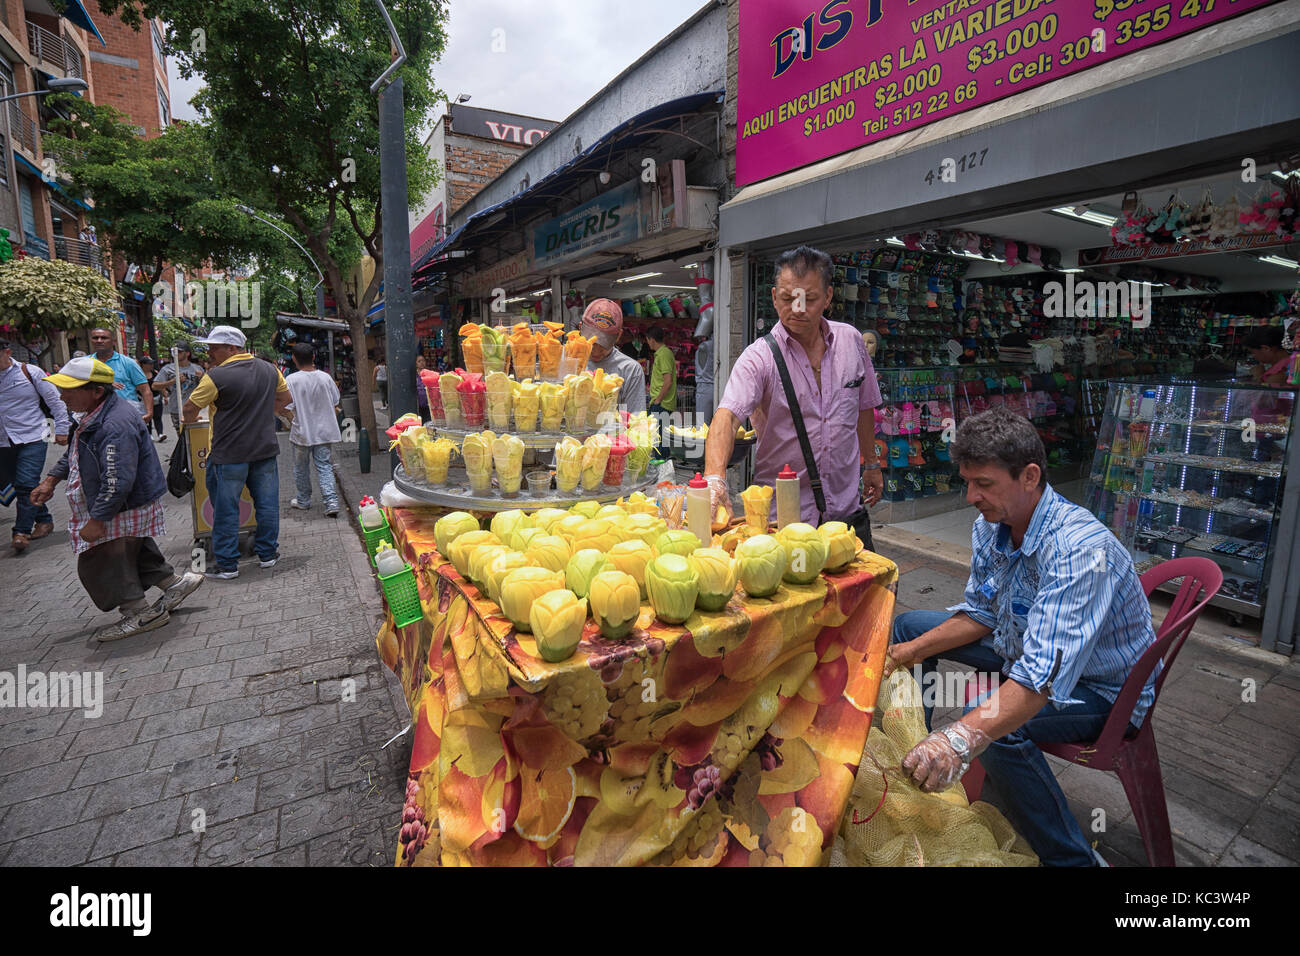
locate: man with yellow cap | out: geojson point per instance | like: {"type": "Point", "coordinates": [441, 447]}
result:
{"type": "Point", "coordinates": [115, 489]}
{"type": "Point", "coordinates": [603, 320]}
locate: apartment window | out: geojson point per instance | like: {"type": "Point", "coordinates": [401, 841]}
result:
{"type": "Point", "coordinates": [158, 42]}
{"type": "Point", "coordinates": [6, 78]}
{"type": "Point", "coordinates": [164, 108]}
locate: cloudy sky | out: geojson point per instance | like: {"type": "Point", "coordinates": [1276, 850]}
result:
{"type": "Point", "coordinates": [558, 53]}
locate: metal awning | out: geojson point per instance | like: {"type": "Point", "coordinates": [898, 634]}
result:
{"type": "Point", "coordinates": [75, 12]}
{"type": "Point", "coordinates": [539, 197]}
{"type": "Point", "coordinates": [35, 170]}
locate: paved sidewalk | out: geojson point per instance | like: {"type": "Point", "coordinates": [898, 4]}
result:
{"type": "Point", "coordinates": [1231, 766]}
{"type": "Point", "coordinates": [262, 704]}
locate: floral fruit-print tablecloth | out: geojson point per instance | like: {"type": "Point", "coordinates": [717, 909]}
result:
{"type": "Point", "coordinates": [732, 739]}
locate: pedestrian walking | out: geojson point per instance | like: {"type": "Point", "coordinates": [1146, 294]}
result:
{"type": "Point", "coordinates": [27, 401]}
{"type": "Point", "coordinates": [128, 377]}
{"type": "Point", "coordinates": [115, 489]}
{"type": "Point", "coordinates": [189, 372]}
{"type": "Point", "coordinates": [421, 396]}
{"type": "Point", "coordinates": [155, 424]}
{"type": "Point", "coordinates": [314, 430]}
{"type": "Point", "coordinates": [246, 394]}
{"type": "Point", "coordinates": [379, 381]}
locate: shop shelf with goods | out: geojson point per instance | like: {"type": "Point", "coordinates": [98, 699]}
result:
{"type": "Point", "coordinates": [1195, 468]}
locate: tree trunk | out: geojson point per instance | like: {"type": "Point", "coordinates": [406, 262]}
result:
{"type": "Point", "coordinates": [361, 360]}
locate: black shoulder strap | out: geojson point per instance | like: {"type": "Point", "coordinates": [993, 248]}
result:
{"type": "Point", "coordinates": [45, 408]}
{"type": "Point", "coordinates": [814, 477]}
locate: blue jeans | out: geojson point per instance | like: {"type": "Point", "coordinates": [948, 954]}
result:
{"type": "Point", "coordinates": [21, 466]}
{"type": "Point", "coordinates": [225, 485]}
{"type": "Point", "coordinates": [1014, 765]}
{"type": "Point", "coordinates": [304, 458]}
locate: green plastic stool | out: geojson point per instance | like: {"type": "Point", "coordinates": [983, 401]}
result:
{"type": "Point", "coordinates": [403, 596]}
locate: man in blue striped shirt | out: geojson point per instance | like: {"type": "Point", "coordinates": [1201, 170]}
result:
{"type": "Point", "coordinates": [1054, 606]}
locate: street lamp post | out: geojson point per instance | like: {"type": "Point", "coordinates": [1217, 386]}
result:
{"type": "Point", "coordinates": [319, 288]}
{"type": "Point", "coordinates": [399, 320]}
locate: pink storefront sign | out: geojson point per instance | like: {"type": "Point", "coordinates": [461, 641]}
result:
{"type": "Point", "coordinates": [820, 78]}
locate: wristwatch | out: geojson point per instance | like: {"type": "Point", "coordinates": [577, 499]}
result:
{"type": "Point", "coordinates": [959, 745]}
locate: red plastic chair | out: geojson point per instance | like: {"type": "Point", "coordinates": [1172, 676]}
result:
{"type": "Point", "coordinates": [1134, 759]}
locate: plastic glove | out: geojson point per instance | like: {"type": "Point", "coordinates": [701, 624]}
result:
{"type": "Point", "coordinates": [719, 497]}
{"type": "Point", "coordinates": [933, 765]}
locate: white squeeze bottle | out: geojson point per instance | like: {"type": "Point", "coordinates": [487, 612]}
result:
{"type": "Point", "coordinates": [371, 517]}
{"type": "Point", "coordinates": [387, 561]}
{"type": "Point", "coordinates": [698, 520]}
{"type": "Point", "coordinates": [787, 498]}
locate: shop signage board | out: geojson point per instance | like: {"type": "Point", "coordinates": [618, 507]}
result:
{"type": "Point", "coordinates": [821, 78]}
{"type": "Point", "coordinates": [610, 219]}
{"type": "Point", "coordinates": [1111, 255]}
{"type": "Point", "coordinates": [503, 127]}
{"type": "Point", "coordinates": [501, 275]}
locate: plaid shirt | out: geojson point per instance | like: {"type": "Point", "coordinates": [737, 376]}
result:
{"type": "Point", "coordinates": [146, 522]}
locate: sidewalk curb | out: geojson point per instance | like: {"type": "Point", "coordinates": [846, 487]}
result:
{"type": "Point", "coordinates": [908, 545]}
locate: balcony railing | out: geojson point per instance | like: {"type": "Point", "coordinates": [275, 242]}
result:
{"type": "Point", "coordinates": [24, 129]}
{"type": "Point", "coordinates": [54, 50]}
{"type": "Point", "coordinates": [80, 251]}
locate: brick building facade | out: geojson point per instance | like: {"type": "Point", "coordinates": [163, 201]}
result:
{"type": "Point", "coordinates": [121, 67]}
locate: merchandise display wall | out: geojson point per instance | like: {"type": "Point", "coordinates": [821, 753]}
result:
{"type": "Point", "coordinates": [1196, 469]}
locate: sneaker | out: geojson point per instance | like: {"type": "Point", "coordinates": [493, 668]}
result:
{"type": "Point", "coordinates": [295, 503]}
{"type": "Point", "coordinates": [161, 439]}
{"type": "Point", "coordinates": [178, 592]}
{"type": "Point", "coordinates": [268, 562]}
{"type": "Point", "coordinates": [149, 619]}
{"type": "Point", "coordinates": [331, 511]}
{"type": "Point", "coordinates": [222, 575]}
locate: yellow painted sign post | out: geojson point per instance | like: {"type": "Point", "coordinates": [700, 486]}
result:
{"type": "Point", "coordinates": [199, 436]}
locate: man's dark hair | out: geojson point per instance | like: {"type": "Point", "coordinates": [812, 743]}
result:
{"type": "Point", "coordinates": [656, 332]}
{"type": "Point", "coordinates": [1000, 437]}
{"type": "Point", "coordinates": [1265, 336]}
{"type": "Point", "coordinates": [806, 259]}
{"type": "Point", "coordinates": [146, 360]}
{"type": "Point", "coordinates": [4, 344]}
{"type": "Point", "coordinates": [304, 354]}
{"type": "Point", "coordinates": [183, 346]}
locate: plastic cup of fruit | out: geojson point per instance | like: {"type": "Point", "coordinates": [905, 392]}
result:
{"type": "Point", "coordinates": [615, 466]}
{"type": "Point", "coordinates": [480, 482]}
{"type": "Point", "coordinates": [539, 483]}
{"type": "Point", "coordinates": [473, 406]}
{"type": "Point", "coordinates": [566, 479]}
{"type": "Point", "coordinates": [499, 420]}
{"type": "Point", "coordinates": [570, 365]}
{"type": "Point", "coordinates": [437, 413]}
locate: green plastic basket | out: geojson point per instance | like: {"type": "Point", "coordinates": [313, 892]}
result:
{"type": "Point", "coordinates": [403, 596]}
{"type": "Point", "coordinates": [372, 538]}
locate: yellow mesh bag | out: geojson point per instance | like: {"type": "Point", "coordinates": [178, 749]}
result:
{"type": "Point", "coordinates": [892, 823]}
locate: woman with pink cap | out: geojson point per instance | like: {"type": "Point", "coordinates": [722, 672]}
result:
{"type": "Point", "coordinates": [603, 320]}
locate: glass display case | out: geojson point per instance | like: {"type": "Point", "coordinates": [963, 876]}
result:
{"type": "Point", "coordinates": [1187, 468]}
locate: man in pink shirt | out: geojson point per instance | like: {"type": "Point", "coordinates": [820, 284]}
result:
{"type": "Point", "coordinates": [835, 387]}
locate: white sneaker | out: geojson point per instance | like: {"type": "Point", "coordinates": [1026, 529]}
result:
{"type": "Point", "coordinates": [149, 619]}
{"type": "Point", "coordinates": [293, 503]}
{"type": "Point", "coordinates": [220, 575]}
{"type": "Point", "coordinates": [173, 596]}
{"type": "Point", "coordinates": [269, 562]}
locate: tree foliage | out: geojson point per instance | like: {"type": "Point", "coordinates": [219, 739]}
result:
{"type": "Point", "coordinates": [294, 124]}
{"type": "Point", "coordinates": [39, 296]}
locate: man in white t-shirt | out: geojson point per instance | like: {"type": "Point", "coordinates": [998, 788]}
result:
{"type": "Point", "coordinates": [315, 429]}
